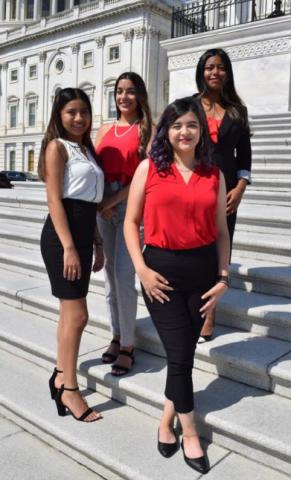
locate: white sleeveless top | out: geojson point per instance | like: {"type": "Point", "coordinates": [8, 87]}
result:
{"type": "Point", "coordinates": [83, 179]}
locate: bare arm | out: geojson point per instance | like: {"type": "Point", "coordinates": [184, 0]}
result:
{"type": "Point", "coordinates": [223, 251]}
{"type": "Point", "coordinates": [55, 159]}
{"type": "Point", "coordinates": [154, 283]}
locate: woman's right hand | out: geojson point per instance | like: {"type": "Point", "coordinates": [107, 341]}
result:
{"type": "Point", "coordinates": [72, 265]}
{"type": "Point", "coordinates": [155, 285]}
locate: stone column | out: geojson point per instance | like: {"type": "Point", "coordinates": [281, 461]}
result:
{"type": "Point", "coordinates": [98, 108]}
{"type": "Point", "coordinates": [75, 56]}
{"type": "Point", "coordinates": [71, 4]}
{"type": "Point", "coordinates": [40, 115]}
{"type": "Point", "coordinates": [2, 4]}
{"type": "Point", "coordinates": [128, 36]}
{"type": "Point", "coordinates": [8, 9]}
{"type": "Point", "coordinates": [17, 15]}
{"type": "Point", "coordinates": [21, 117]}
{"type": "Point", "coordinates": [36, 10]}
{"type": "Point", "coordinates": [53, 7]}
{"type": "Point", "coordinates": [3, 100]}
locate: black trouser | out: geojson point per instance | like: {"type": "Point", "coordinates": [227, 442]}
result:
{"type": "Point", "coordinates": [178, 322]}
{"type": "Point", "coordinates": [231, 221]}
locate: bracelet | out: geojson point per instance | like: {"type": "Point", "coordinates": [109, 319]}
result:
{"type": "Point", "coordinates": [223, 279]}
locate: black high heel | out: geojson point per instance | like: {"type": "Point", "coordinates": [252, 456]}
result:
{"type": "Point", "coordinates": [63, 408]}
{"type": "Point", "coordinates": [167, 450]}
{"type": "Point", "coordinates": [200, 464]}
{"type": "Point", "coordinates": [52, 387]}
{"type": "Point", "coordinates": [109, 357]}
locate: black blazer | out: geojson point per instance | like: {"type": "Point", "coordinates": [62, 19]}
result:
{"type": "Point", "coordinates": [233, 151]}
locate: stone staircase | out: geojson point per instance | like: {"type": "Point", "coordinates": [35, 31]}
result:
{"type": "Point", "coordinates": [242, 378]}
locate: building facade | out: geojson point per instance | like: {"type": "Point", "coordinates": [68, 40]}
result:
{"type": "Point", "coordinates": [54, 44]}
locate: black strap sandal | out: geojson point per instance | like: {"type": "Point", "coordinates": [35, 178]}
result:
{"type": "Point", "coordinates": [123, 370]}
{"type": "Point", "coordinates": [110, 357]}
{"type": "Point", "coordinates": [62, 408]}
{"type": "Point", "coordinates": [52, 387]}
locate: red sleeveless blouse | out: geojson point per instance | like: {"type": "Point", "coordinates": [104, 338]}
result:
{"type": "Point", "coordinates": [180, 215]}
{"type": "Point", "coordinates": [119, 154]}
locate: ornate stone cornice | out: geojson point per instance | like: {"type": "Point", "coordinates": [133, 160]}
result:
{"type": "Point", "coordinates": [128, 35]}
{"type": "Point", "coordinates": [100, 41]}
{"type": "Point", "coordinates": [237, 52]}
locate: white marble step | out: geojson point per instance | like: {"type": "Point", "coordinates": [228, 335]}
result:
{"type": "Point", "coordinates": [248, 421]}
{"type": "Point", "coordinates": [236, 310]}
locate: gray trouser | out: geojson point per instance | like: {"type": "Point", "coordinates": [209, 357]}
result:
{"type": "Point", "coordinates": [121, 295]}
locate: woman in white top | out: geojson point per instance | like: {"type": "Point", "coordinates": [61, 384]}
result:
{"type": "Point", "coordinates": [74, 183]}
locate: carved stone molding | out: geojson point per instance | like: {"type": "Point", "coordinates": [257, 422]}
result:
{"type": "Point", "coordinates": [140, 32]}
{"type": "Point", "coordinates": [128, 35]}
{"type": "Point", "coordinates": [42, 56]}
{"type": "Point", "coordinates": [23, 61]}
{"type": "Point", "coordinates": [4, 66]}
{"type": "Point", "coordinates": [100, 41]}
{"type": "Point", "coordinates": [259, 49]}
{"type": "Point", "coordinates": [237, 52]}
{"type": "Point", "coordinates": [153, 32]}
{"type": "Point", "coordinates": [75, 48]}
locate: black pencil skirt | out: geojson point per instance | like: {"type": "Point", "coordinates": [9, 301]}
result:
{"type": "Point", "coordinates": [82, 220]}
{"type": "Point", "coordinates": [178, 322]}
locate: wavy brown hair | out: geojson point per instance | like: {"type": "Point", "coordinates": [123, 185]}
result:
{"type": "Point", "coordinates": [143, 109]}
{"type": "Point", "coordinates": [55, 127]}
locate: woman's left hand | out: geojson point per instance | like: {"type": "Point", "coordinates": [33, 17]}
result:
{"type": "Point", "coordinates": [98, 258]}
{"type": "Point", "coordinates": [233, 199]}
{"type": "Point", "coordinates": [107, 203]}
{"type": "Point", "coordinates": [212, 296]}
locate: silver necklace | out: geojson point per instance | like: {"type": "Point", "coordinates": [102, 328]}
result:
{"type": "Point", "coordinates": [118, 135]}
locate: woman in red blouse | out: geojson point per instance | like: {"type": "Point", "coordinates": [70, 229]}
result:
{"type": "Point", "coordinates": [121, 146]}
{"type": "Point", "coordinates": [184, 268]}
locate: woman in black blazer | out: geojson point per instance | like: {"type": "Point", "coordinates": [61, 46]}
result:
{"type": "Point", "coordinates": [229, 132]}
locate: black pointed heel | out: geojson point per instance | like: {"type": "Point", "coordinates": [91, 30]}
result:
{"type": "Point", "coordinates": [63, 408]}
{"type": "Point", "coordinates": [200, 464]}
{"type": "Point", "coordinates": [52, 387]}
{"type": "Point", "coordinates": [123, 370]}
{"type": "Point", "coordinates": [167, 450]}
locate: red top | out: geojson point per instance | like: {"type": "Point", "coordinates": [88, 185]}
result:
{"type": "Point", "coordinates": [179, 215]}
{"type": "Point", "coordinates": [119, 154]}
{"type": "Point", "coordinates": [213, 128]}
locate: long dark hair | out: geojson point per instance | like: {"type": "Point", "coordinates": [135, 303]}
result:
{"type": "Point", "coordinates": [55, 127]}
{"type": "Point", "coordinates": [229, 97]}
{"type": "Point", "coordinates": [162, 151]}
{"type": "Point", "coordinates": [143, 109]}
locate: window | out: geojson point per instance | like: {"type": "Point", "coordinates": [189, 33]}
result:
{"type": "Point", "coordinates": [31, 161]}
{"type": "Point", "coordinates": [12, 160]}
{"type": "Point", "coordinates": [87, 59]}
{"type": "Point", "coordinates": [61, 4]}
{"type": "Point", "coordinates": [111, 104]}
{"type": "Point", "coordinates": [29, 8]}
{"type": "Point", "coordinates": [13, 10]}
{"type": "Point", "coordinates": [32, 71]}
{"type": "Point", "coordinates": [59, 66]}
{"type": "Point", "coordinates": [31, 114]}
{"type": "Point", "coordinates": [12, 116]}
{"type": "Point", "coordinates": [114, 53]}
{"type": "Point", "coordinates": [45, 8]}
{"type": "Point", "coordinates": [13, 75]}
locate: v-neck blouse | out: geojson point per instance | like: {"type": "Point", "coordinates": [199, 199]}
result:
{"type": "Point", "coordinates": [180, 215]}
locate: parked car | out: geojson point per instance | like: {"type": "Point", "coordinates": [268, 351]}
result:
{"type": "Point", "coordinates": [15, 176]}
{"type": "Point", "coordinates": [31, 177]}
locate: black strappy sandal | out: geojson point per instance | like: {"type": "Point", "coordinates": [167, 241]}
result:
{"type": "Point", "coordinates": [63, 408]}
{"type": "Point", "coordinates": [52, 387]}
{"type": "Point", "coordinates": [123, 370]}
{"type": "Point", "coordinates": [110, 357]}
